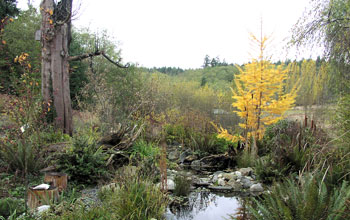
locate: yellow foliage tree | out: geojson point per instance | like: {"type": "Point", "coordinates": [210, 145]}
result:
{"type": "Point", "coordinates": [260, 97]}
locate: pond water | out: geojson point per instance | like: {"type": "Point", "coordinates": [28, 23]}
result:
{"type": "Point", "coordinates": [206, 206]}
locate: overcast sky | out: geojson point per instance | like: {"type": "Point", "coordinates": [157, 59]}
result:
{"type": "Point", "coordinates": [181, 32]}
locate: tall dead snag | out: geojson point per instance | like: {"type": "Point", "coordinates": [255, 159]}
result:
{"type": "Point", "coordinates": [55, 33]}
{"type": "Point", "coordinates": [55, 39]}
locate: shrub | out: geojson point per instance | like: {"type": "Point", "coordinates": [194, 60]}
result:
{"type": "Point", "coordinates": [136, 198]}
{"type": "Point", "coordinates": [85, 162]}
{"type": "Point", "coordinates": [182, 185]}
{"type": "Point", "coordinates": [245, 159]}
{"type": "Point", "coordinates": [209, 144]}
{"type": "Point", "coordinates": [268, 171]}
{"type": "Point", "coordinates": [9, 207]}
{"type": "Point", "coordinates": [21, 155]}
{"type": "Point", "coordinates": [144, 150]}
{"type": "Point", "coordinates": [309, 200]}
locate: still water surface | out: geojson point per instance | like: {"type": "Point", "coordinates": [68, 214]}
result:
{"type": "Point", "coordinates": [205, 206]}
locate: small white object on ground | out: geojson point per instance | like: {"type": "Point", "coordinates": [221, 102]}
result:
{"type": "Point", "coordinates": [42, 186]}
{"type": "Point", "coordinates": [43, 208]}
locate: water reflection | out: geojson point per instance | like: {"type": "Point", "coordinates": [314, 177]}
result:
{"type": "Point", "coordinates": [205, 206]}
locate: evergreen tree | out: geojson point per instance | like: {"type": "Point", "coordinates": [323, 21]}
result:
{"type": "Point", "coordinates": [8, 8]}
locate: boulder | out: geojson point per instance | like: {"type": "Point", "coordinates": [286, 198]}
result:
{"type": "Point", "coordinates": [170, 184]}
{"type": "Point", "coordinates": [238, 174]}
{"type": "Point", "coordinates": [229, 176]}
{"type": "Point", "coordinates": [236, 186]}
{"type": "Point", "coordinates": [246, 171]}
{"type": "Point", "coordinates": [196, 165]}
{"type": "Point", "coordinates": [173, 155]}
{"type": "Point", "coordinates": [221, 182]}
{"type": "Point", "coordinates": [246, 183]}
{"type": "Point", "coordinates": [215, 175]}
{"type": "Point", "coordinates": [256, 188]}
{"type": "Point", "coordinates": [191, 158]}
{"type": "Point", "coordinates": [184, 154]}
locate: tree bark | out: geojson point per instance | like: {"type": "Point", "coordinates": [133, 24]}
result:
{"type": "Point", "coordinates": [58, 180]}
{"type": "Point", "coordinates": [55, 65]}
{"type": "Point", "coordinates": [39, 197]}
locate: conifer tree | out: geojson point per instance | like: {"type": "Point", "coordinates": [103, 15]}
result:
{"type": "Point", "coordinates": [260, 97]}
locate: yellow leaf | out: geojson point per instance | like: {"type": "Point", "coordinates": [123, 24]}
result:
{"type": "Point", "coordinates": [51, 12]}
{"type": "Point", "coordinates": [51, 22]}
{"type": "Point", "coordinates": [11, 19]}
{"type": "Point", "coordinates": [30, 66]}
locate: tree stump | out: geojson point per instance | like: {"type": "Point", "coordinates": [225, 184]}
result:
{"type": "Point", "coordinates": [39, 197]}
{"type": "Point", "coordinates": [58, 180]}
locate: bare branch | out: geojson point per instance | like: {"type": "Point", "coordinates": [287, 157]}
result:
{"type": "Point", "coordinates": [84, 56]}
{"type": "Point", "coordinates": [97, 53]}
{"type": "Point", "coordinates": [115, 63]}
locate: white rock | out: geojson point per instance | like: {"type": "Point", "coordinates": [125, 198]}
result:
{"type": "Point", "coordinates": [238, 174]}
{"type": "Point", "coordinates": [42, 186]}
{"type": "Point", "coordinates": [220, 175]}
{"type": "Point", "coordinates": [221, 182]}
{"type": "Point", "coordinates": [171, 184]}
{"type": "Point", "coordinates": [256, 188]}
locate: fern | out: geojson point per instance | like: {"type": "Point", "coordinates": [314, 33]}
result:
{"type": "Point", "coordinates": [310, 200]}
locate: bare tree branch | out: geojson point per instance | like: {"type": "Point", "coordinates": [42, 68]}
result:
{"type": "Point", "coordinates": [97, 53]}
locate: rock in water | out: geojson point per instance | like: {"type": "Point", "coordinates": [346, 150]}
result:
{"type": "Point", "coordinates": [236, 186]}
{"type": "Point", "coordinates": [246, 183]}
{"type": "Point", "coordinates": [221, 182]}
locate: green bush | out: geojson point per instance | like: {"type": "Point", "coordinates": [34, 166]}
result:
{"type": "Point", "coordinates": [80, 212]}
{"type": "Point", "coordinates": [21, 155]}
{"type": "Point", "coordinates": [144, 150]}
{"type": "Point", "coordinates": [182, 185]}
{"type": "Point", "coordinates": [209, 144]}
{"type": "Point", "coordinates": [135, 199]}
{"type": "Point", "coordinates": [175, 132]}
{"type": "Point", "coordinates": [268, 171]}
{"type": "Point", "coordinates": [306, 201]}
{"type": "Point", "coordinates": [85, 162]}
{"type": "Point", "coordinates": [245, 159]}
{"type": "Point", "coordinates": [8, 206]}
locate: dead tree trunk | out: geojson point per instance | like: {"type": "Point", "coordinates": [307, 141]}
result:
{"type": "Point", "coordinates": [55, 38]}
{"type": "Point", "coordinates": [55, 33]}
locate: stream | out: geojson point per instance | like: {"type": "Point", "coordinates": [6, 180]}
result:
{"type": "Point", "coordinates": [205, 205]}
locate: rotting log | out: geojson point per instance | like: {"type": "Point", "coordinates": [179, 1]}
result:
{"type": "Point", "coordinates": [58, 180]}
{"type": "Point", "coordinates": [39, 197]}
